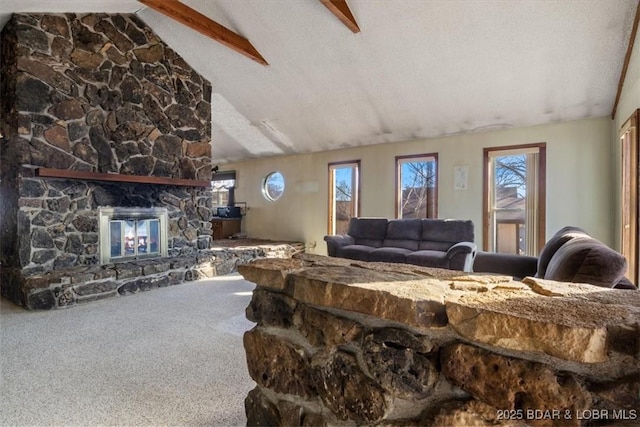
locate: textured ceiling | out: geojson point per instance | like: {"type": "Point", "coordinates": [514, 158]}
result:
{"type": "Point", "coordinates": [418, 68]}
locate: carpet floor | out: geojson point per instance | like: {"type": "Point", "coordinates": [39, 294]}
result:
{"type": "Point", "coordinates": [167, 357]}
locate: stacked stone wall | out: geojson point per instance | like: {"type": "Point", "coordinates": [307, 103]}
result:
{"type": "Point", "coordinates": [102, 93]}
{"type": "Point", "coordinates": [61, 288]}
{"type": "Point", "coordinates": [97, 93]}
{"type": "Point", "coordinates": [339, 342]}
{"type": "Point", "coordinates": [58, 219]}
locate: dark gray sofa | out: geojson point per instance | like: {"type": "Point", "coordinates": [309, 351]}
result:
{"type": "Point", "coordinates": [571, 255]}
{"type": "Point", "coordinates": [441, 243]}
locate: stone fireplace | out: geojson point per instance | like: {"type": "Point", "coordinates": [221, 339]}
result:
{"type": "Point", "coordinates": [87, 100]}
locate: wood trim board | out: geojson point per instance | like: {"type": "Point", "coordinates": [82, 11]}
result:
{"type": "Point", "coordinates": [627, 59]}
{"type": "Point", "coordinates": [113, 177]}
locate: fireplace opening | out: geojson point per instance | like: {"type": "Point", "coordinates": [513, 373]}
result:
{"type": "Point", "coordinates": [132, 233]}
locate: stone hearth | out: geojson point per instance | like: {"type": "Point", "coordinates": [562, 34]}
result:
{"type": "Point", "coordinates": [63, 288]}
{"type": "Point", "coordinates": [340, 342]}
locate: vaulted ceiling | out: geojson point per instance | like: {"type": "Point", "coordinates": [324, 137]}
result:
{"type": "Point", "coordinates": [416, 69]}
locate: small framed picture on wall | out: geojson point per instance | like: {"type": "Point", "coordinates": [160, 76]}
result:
{"type": "Point", "coordinates": [460, 177]}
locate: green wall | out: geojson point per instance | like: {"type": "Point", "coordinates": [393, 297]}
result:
{"type": "Point", "coordinates": [580, 181]}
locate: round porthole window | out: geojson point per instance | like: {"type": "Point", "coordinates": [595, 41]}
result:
{"type": "Point", "coordinates": [273, 186]}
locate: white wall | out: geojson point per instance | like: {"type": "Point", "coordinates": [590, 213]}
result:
{"type": "Point", "coordinates": [579, 181]}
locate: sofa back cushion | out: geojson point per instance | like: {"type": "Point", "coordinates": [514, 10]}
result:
{"type": "Point", "coordinates": [441, 234]}
{"type": "Point", "coordinates": [403, 233]}
{"type": "Point", "coordinates": [561, 237]}
{"type": "Point", "coordinates": [368, 231]}
{"type": "Point", "coordinates": [584, 259]}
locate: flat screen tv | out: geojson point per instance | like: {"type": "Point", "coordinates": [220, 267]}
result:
{"type": "Point", "coordinates": [229, 212]}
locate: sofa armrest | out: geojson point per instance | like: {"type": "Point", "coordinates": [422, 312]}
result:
{"type": "Point", "coordinates": [517, 266]}
{"type": "Point", "coordinates": [337, 241]}
{"type": "Point", "coordinates": [462, 248]}
{"type": "Point", "coordinates": [464, 253]}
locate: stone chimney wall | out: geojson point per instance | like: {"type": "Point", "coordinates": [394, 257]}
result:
{"type": "Point", "coordinates": [96, 93]}
{"type": "Point", "coordinates": [341, 342]}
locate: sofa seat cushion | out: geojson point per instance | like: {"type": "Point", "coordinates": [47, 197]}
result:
{"type": "Point", "coordinates": [389, 254]}
{"type": "Point", "coordinates": [586, 260]}
{"type": "Point", "coordinates": [434, 246]}
{"type": "Point", "coordinates": [373, 243]}
{"type": "Point", "coordinates": [429, 258]}
{"type": "Point", "coordinates": [357, 252]}
{"type": "Point", "coordinates": [412, 245]}
{"type": "Point", "coordinates": [517, 266]}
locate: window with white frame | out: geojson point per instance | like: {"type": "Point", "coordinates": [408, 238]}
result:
{"type": "Point", "coordinates": [223, 186]}
{"type": "Point", "coordinates": [221, 191]}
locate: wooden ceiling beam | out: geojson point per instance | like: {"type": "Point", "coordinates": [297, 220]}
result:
{"type": "Point", "coordinates": [204, 25]}
{"type": "Point", "coordinates": [625, 65]}
{"type": "Point", "coordinates": [341, 10]}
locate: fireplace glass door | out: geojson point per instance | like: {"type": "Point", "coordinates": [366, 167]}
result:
{"type": "Point", "coordinates": [132, 233]}
{"type": "Point", "coordinates": [134, 237]}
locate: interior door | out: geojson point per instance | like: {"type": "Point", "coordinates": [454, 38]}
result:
{"type": "Point", "coordinates": [629, 196]}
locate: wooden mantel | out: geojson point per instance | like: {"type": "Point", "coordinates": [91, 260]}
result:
{"type": "Point", "coordinates": [135, 179]}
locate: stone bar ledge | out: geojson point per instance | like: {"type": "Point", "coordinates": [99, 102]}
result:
{"type": "Point", "coordinates": [574, 322]}
{"type": "Point", "coordinates": [339, 342]}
